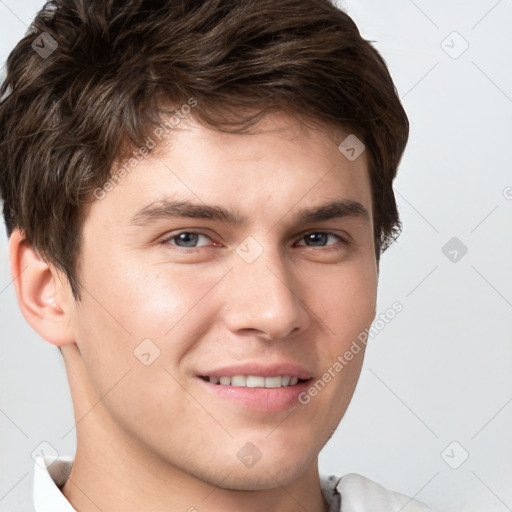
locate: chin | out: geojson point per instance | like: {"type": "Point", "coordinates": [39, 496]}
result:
{"type": "Point", "coordinates": [269, 472]}
{"type": "Point", "coordinates": [278, 469]}
{"type": "Point", "coordinates": [278, 475]}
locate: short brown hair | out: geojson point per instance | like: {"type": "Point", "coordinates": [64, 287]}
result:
{"type": "Point", "coordinates": [66, 117]}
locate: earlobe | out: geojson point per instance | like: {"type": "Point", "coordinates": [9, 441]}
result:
{"type": "Point", "coordinates": [39, 292]}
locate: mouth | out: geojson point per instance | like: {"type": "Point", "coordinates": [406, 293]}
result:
{"type": "Point", "coordinates": [270, 393]}
{"type": "Point", "coordinates": [255, 381]}
{"type": "Point", "coordinates": [264, 387]}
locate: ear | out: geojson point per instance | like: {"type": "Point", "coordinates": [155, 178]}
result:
{"type": "Point", "coordinates": [43, 295]}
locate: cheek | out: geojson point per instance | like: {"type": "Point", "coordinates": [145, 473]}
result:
{"type": "Point", "coordinates": [167, 304]}
{"type": "Point", "coordinates": [345, 306]}
{"type": "Point", "coordinates": [345, 300]}
{"type": "Point", "coordinates": [151, 308]}
{"type": "Point", "coordinates": [145, 299]}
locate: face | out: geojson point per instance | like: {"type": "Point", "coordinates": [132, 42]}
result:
{"type": "Point", "coordinates": [239, 258]}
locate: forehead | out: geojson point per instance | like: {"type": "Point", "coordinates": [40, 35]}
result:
{"type": "Point", "coordinates": [280, 160]}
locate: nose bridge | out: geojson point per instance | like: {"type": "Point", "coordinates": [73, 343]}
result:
{"type": "Point", "coordinates": [263, 295]}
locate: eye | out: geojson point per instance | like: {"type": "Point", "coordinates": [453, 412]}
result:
{"type": "Point", "coordinates": [191, 239]}
{"type": "Point", "coordinates": [319, 238]}
{"type": "Point", "coordinates": [185, 239]}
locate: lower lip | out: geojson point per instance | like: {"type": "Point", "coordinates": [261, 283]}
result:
{"type": "Point", "coordinates": [260, 399]}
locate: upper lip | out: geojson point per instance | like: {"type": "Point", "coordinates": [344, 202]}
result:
{"type": "Point", "coordinates": [263, 370]}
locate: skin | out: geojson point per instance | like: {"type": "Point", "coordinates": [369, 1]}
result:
{"type": "Point", "coordinates": [150, 437]}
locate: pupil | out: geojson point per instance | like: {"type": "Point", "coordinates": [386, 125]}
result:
{"type": "Point", "coordinates": [316, 237]}
{"type": "Point", "coordinates": [188, 238]}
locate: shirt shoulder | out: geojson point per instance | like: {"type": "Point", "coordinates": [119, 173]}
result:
{"type": "Point", "coordinates": [356, 493]}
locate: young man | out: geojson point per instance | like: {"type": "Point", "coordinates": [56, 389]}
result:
{"type": "Point", "coordinates": [197, 194]}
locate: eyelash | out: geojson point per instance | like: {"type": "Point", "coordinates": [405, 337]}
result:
{"type": "Point", "coordinates": [167, 240]}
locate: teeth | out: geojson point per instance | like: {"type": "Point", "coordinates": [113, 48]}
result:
{"type": "Point", "coordinates": [255, 381]}
{"type": "Point", "coordinates": [273, 382]}
{"type": "Point", "coordinates": [238, 380]}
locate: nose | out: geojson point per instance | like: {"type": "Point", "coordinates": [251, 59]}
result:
{"type": "Point", "coordinates": [263, 297]}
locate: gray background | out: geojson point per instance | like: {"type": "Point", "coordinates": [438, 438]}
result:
{"type": "Point", "coordinates": [440, 371]}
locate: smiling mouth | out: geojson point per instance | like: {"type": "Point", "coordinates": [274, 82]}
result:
{"type": "Point", "coordinates": [255, 381]}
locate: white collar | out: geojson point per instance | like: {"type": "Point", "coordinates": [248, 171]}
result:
{"type": "Point", "coordinates": [356, 493]}
{"type": "Point", "coordinates": [50, 473]}
{"type": "Point", "coordinates": [350, 493]}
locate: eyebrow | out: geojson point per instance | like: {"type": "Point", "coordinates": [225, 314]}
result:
{"type": "Point", "coordinates": [170, 208]}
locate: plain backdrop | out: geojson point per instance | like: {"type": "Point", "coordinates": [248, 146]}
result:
{"type": "Point", "coordinates": [432, 413]}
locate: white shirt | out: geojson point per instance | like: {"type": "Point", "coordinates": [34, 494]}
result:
{"type": "Point", "coordinates": [349, 493]}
